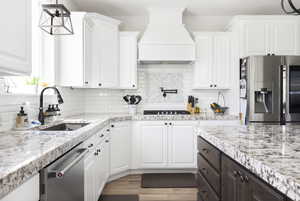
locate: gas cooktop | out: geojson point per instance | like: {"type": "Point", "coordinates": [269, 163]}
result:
{"type": "Point", "coordinates": [166, 112]}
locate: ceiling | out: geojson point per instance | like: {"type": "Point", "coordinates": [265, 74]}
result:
{"type": "Point", "coordinates": [194, 7]}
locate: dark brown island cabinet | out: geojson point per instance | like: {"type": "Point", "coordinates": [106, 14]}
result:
{"type": "Point", "coordinates": [220, 178]}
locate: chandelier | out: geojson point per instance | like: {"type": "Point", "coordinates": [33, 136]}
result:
{"type": "Point", "coordinates": [293, 10]}
{"type": "Point", "coordinates": [56, 19]}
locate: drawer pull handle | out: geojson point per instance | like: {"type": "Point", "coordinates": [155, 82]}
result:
{"type": "Point", "coordinates": [205, 150]}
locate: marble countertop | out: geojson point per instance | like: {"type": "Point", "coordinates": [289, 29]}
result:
{"type": "Point", "coordinates": [270, 152]}
{"type": "Point", "coordinates": [24, 153]}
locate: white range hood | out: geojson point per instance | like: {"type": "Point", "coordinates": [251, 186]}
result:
{"type": "Point", "coordinates": [166, 40]}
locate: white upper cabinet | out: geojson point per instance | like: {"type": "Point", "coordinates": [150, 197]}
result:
{"type": "Point", "coordinates": [212, 66]}
{"type": "Point", "coordinates": [74, 53]}
{"type": "Point", "coordinates": [90, 57]}
{"type": "Point", "coordinates": [128, 60]}
{"type": "Point", "coordinates": [267, 35]}
{"type": "Point", "coordinates": [15, 40]}
{"type": "Point", "coordinates": [106, 52]}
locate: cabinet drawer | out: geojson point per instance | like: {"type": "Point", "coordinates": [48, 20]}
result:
{"type": "Point", "coordinates": [205, 191]}
{"type": "Point", "coordinates": [210, 153]}
{"type": "Point", "coordinates": [211, 175]}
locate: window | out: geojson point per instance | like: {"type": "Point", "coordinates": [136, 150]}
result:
{"type": "Point", "coordinates": [43, 58]}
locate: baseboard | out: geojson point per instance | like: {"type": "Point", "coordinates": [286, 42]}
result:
{"type": "Point", "coordinates": [142, 171]}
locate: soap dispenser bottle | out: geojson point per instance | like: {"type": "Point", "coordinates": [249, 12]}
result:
{"type": "Point", "coordinates": [22, 119]}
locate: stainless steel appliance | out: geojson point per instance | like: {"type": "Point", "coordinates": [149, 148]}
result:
{"type": "Point", "coordinates": [270, 89]}
{"type": "Point", "coordinates": [63, 180]}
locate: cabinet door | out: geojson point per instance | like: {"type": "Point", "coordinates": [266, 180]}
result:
{"type": "Point", "coordinates": [221, 63]}
{"type": "Point", "coordinates": [89, 178]}
{"type": "Point", "coordinates": [182, 143]}
{"type": "Point", "coordinates": [256, 38]}
{"type": "Point", "coordinates": [29, 191]}
{"type": "Point", "coordinates": [15, 40]}
{"type": "Point", "coordinates": [260, 191]}
{"type": "Point", "coordinates": [120, 147]}
{"type": "Point", "coordinates": [231, 185]}
{"type": "Point", "coordinates": [153, 145]}
{"type": "Point", "coordinates": [70, 55]}
{"type": "Point", "coordinates": [128, 60]}
{"type": "Point", "coordinates": [284, 37]}
{"type": "Point", "coordinates": [203, 63]}
{"type": "Point", "coordinates": [88, 53]}
{"type": "Point", "coordinates": [106, 38]}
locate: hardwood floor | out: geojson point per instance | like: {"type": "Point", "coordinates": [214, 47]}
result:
{"type": "Point", "coordinates": [132, 185]}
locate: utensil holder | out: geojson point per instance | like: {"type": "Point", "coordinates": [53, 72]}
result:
{"type": "Point", "coordinates": [132, 109]}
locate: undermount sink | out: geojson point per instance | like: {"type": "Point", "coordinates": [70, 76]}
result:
{"type": "Point", "coordinates": [66, 127]}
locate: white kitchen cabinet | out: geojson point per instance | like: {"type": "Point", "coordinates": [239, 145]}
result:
{"type": "Point", "coordinates": [15, 40]}
{"type": "Point", "coordinates": [29, 191]}
{"type": "Point", "coordinates": [74, 53]}
{"type": "Point", "coordinates": [106, 51]}
{"type": "Point", "coordinates": [182, 143]}
{"type": "Point", "coordinates": [90, 57]}
{"type": "Point", "coordinates": [96, 165]}
{"type": "Point", "coordinates": [128, 60]}
{"type": "Point", "coordinates": [167, 144]}
{"type": "Point", "coordinates": [120, 147]}
{"type": "Point", "coordinates": [213, 61]}
{"type": "Point", "coordinates": [267, 35]}
{"type": "Point", "coordinates": [89, 178]}
{"type": "Point", "coordinates": [154, 145]}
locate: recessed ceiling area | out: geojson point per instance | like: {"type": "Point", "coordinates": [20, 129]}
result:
{"type": "Point", "coordinates": [194, 7]}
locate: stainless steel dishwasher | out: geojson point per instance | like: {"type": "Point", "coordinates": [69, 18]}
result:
{"type": "Point", "coordinates": [63, 180]}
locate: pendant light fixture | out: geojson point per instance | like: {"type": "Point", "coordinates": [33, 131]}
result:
{"type": "Point", "coordinates": [293, 10]}
{"type": "Point", "coordinates": [56, 19]}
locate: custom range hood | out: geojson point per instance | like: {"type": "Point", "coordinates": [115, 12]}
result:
{"type": "Point", "coordinates": [166, 40]}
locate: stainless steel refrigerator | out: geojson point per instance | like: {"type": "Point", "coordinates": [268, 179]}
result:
{"type": "Point", "coordinates": [270, 89]}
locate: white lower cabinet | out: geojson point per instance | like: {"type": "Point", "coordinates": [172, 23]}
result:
{"type": "Point", "coordinates": [96, 170]}
{"type": "Point", "coordinates": [120, 147]}
{"type": "Point", "coordinates": [182, 145]}
{"type": "Point", "coordinates": [167, 144]}
{"type": "Point", "coordinates": [29, 191]}
{"type": "Point", "coordinates": [153, 145]}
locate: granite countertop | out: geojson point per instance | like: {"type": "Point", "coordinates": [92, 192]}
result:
{"type": "Point", "coordinates": [270, 152]}
{"type": "Point", "coordinates": [24, 153]}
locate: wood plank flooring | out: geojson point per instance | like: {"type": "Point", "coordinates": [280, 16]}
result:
{"type": "Point", "coordinates": [132, 185]}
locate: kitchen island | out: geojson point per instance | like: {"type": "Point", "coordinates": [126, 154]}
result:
{"type": "Point", "coordinates": [271, 153]}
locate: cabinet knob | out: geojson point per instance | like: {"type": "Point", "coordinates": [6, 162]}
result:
{"type": "Point", "coordinates": [101, 135]}
{"type": "Point", "coordinates": [107, 130]}
{"type": "Point", "coordinates": [235, 173]}
{"type": "Point", "coordinates": [86, 82]}
{"type": "Point", "coordinates": [99, 84]}
{"type": "Point", "coordinates": [107, 141]}
{"type": "Point", "coordinates": [96, 153]}
{"type": "Point", "coordinates": [91, 145]}
{"type": "Point", "coordinates": [269, 54]}
{"type": "Point", "coordinates": [170, 124]}
{"type": "Point", "coordinates": [98, 150]}
{"type": "Point", "coordinates": [166, 124]}
{"type": "Point", "coordinates": [211, 85]}
{"type": "Point", "coordinates": [215, 85]}
{"type": "Point", "coordinates": [112, 126]}
{"type": "Point", "coordinates": [133, 85]}
{"type": "Point", "coordinates": [273, 54]}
